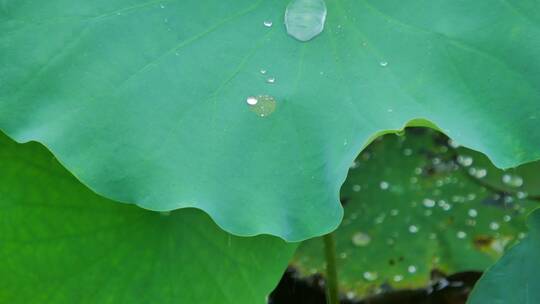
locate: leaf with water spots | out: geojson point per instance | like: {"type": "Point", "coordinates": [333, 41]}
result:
{"type": "Point", "coordinates": [144, 101]}
{"type": "Point", "coordinates": [412, 206]}
{"type": "Point", "coordinates": [61, 243]}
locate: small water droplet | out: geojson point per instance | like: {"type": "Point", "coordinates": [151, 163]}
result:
{"type": "Point", "coordinates": [472, 213]}
{"type": "Point", "coordinates": [452, 143]}
{"type": "Point", "coordinates": [398, 278]}
{"type": "Point", "coordinates": [162, 5]}
{"type": "Point", "coordinates": [461, 234]}
{"type": "Point", "coordinates": [263, 72]}
{"type": "Point", "coordinates": [521, 195]}
{"type": "Point", "coordinates": [268, 23]}
{"type": "Point", "coordinates": [413, 229]}
{"type": "Point", "coordinates": [383, 64]}
{"type": "Point", "coordinates": [465, 160]}
{"type": "Point", "coordinates": [411, 269]}
{"type": "Point", "coordinates": [361, 239]}
{"type": "Point", "coordinates": [494, 226]}
{"type": "Point", "coordinates": [384, 185]}
{"type": "Point", "coordinates": [356, 188]}
{"type": "Point", "coordinates": [480, 173]}
{"type": "Point", "coordinates": [271, 80]}
{"type": "Point", "coordinates": [407, 152]}
{"type": "Point", "coordinates": [429, 202]}
{"type": "Point", "coordinates": [370, 276]}
{"type": "Point", "coordinates": [507, 218]}
{"type": "Point", "coordinates": [262, 105]}
{"type": "Point", "coordinates": [512, 180]}
{"type": "Point", "coordinates": [394, 212]}
{"type": "Point", "coordinates": [304, 19]}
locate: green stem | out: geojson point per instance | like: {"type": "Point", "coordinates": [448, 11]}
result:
{"type": "Point", "coordinates": [332, 293]}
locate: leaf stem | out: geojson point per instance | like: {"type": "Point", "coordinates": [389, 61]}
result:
{"type": "Point", "coordinates": [332, 293]}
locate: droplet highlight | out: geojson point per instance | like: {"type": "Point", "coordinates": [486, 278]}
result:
{"type": "Point", "coordinates": [304, 19]}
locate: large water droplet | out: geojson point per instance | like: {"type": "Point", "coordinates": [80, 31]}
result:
{"type": "Point", "coordinates": [262, 105]}
{"type": "Point", "coordinates": [305, 19]}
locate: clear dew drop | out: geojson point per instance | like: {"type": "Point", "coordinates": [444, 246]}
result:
{"type": "Point", "coordinates": [361, 239]}
{"type": "Point", "coordinates": [304, 19]}
{"type": "Point", "coordinates": [461, 234]}
{"type": "Point", "coordinates": [262, 105]}
{"type": "Point", "coordinates": [268, 23]}
{"type": "Point", "coordinates": [411, 269]}
{"type": "Point", "coordinates": [384, 185]}
{"type": "Point", "coordinates": [413, 229]}
{"type": "Point", "coordinates": [494, 226]}
{"type": "Point", "coordinates": [512, 180]}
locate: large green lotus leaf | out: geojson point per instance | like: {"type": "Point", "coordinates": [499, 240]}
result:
{"type": "Point", "coordinates": [412, 206]}
{"type": "Point", "coordinates": [145, 101]}
{"type": "Point", "coordinates": [61, 243]}
{"type": "Point", "coordinates": [514, 279]}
